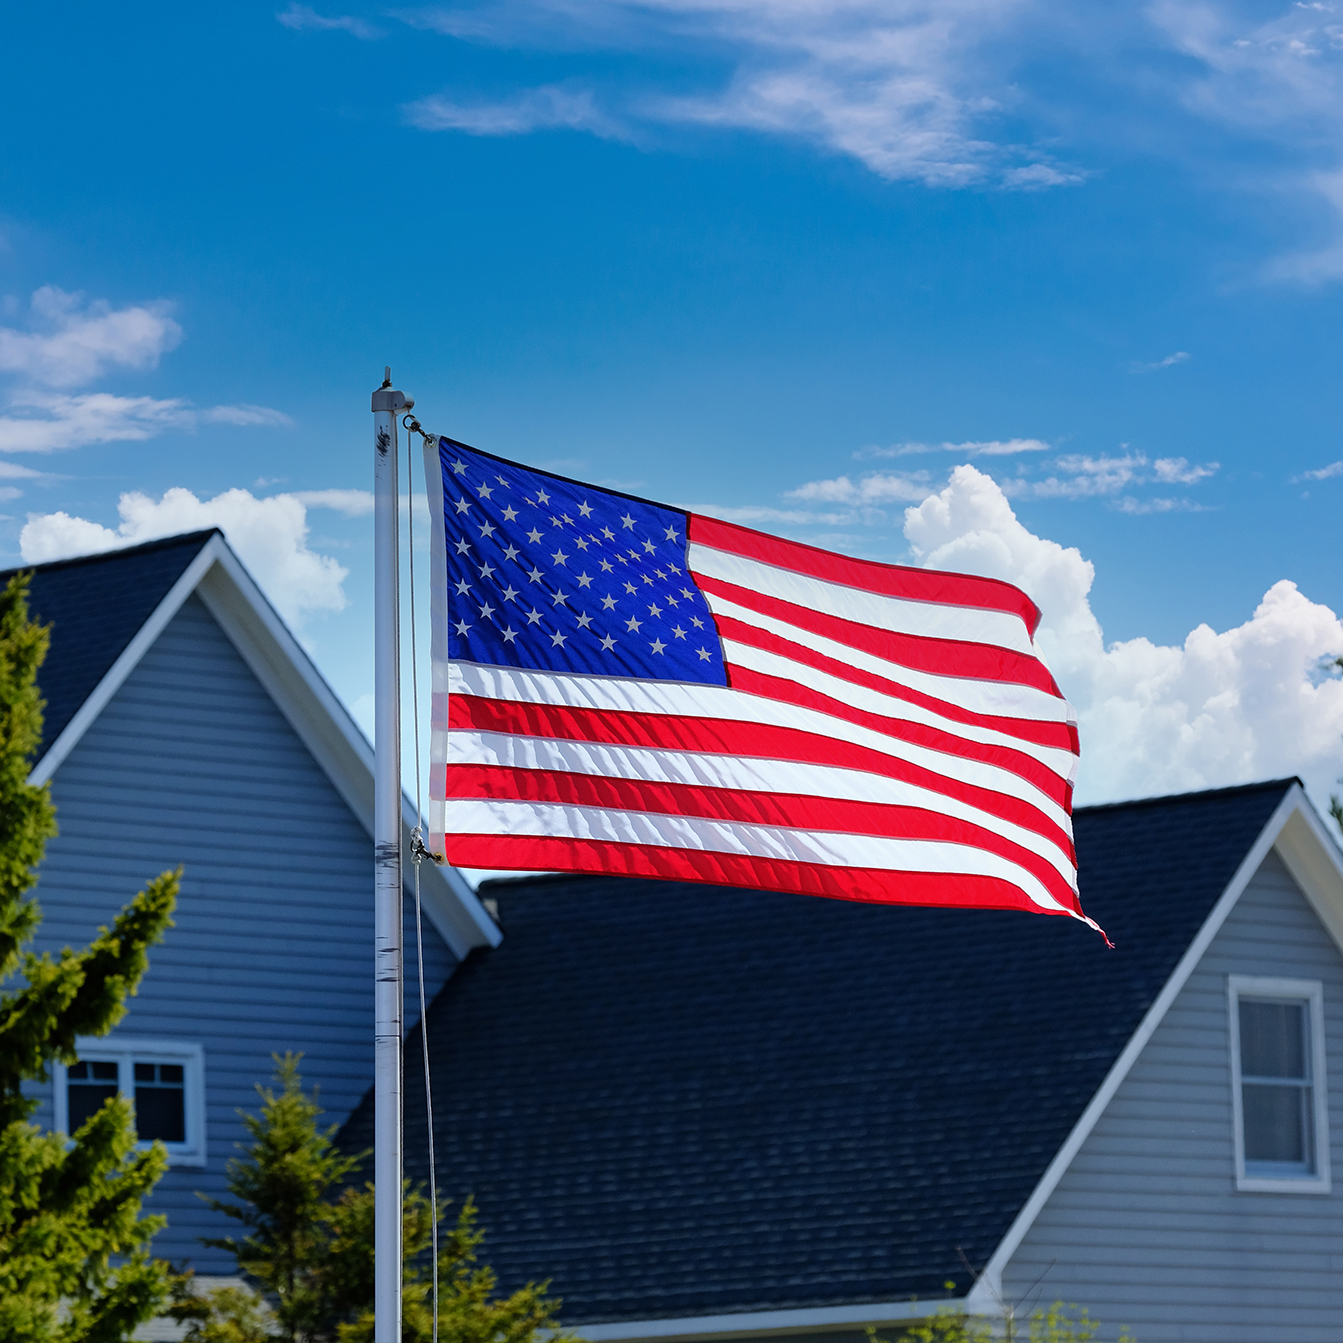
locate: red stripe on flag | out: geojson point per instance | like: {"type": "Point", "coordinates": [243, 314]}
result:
{"type": "Point", "coordinates": [940, 657]}
{"type": "Point", "coordinates": [729, 737]}
{"type": "Point", "coordinates": [531, 853]}
{"type": "Point", "coordinates": [791, 811]}
{"type": "Point", "coordinates": [890, 580]}
{"type": "Point", "coordinates": [1061, 736]}
{"type": "Point", "coordinates": [1025, 767]}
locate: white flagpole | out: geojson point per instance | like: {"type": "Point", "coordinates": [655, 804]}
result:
{"type": "Point", "coordinates": [387, 990]}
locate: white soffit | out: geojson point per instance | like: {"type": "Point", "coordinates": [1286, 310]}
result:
{"type": "Point", "coordinates": [322, 722]}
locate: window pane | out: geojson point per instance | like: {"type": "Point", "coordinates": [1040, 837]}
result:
{"type": "Point", "coordinates": [1272, 1039]}
{"type": "Point", "coordinates": [160, 1102]}
{"type": "Point", "coordinates": [88, 1085]}
{"type": "Point", "coordinates": [1278, 1125]}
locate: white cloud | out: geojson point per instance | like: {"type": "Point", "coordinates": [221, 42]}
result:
{"type": "Point", "coordinates": [1179, 357]}
{"type": "Point", "coordinates": [1084, 478]}
{"type": "Point", "coordinates": [1321, 473]}
{"type": "Point", "coordinates": [1177, 471]}
{"type": "Point", "coordinates": [46, 422]}
{"type": "Point", "coordinates": [753, 515]}
{"type": "Point", "coordinates": [878, 488]}
{"type": "Point", "coordinates": [910, 90]}
{"type": "Point", "coordinates": [548, 108]}
{"type": "Point", "coordinates": [1222, 708]}
{"type": "Point", "coordinates": [353, 503]}
{"type": "Point", "coordinates": [73, 342]}
{"type": "Point", "coordinates": [303, 18]}
{"type": "Point", "coordinates": [973, 448]}
{"type": "Point", "coordinates": [269, 535]}
{"type": "Point", "coordinates": [1128, 504]}
{"type": "Point", "coordinates": [49, 423]}
{"type": "Point", "coordinates": [245, 415]}
{"type": "Point", "coordinates": [1279, 82]}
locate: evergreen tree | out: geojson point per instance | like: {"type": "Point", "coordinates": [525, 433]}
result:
{"type": "Point", "coordinates": [74, 1267]}
{"type": "Point", "coordinates": [309, 1251]}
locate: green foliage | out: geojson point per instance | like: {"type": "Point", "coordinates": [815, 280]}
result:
{"type": "Point", "coordinates": [74, 1267]}
{"type": "Point", "coordinates": [1058, 1323]}
{"type": "Point", "coordinates": [309, 1251]}
{"type": "Point", "coordinates": [282, 1191]}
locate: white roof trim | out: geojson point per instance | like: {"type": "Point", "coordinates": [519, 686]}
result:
{"type": "Point", "coordinates": [746, 1324]}
{"type": "Point", "coordinates": [322, 722]}
{"type": "Point", "coordinates": [1292, 821]}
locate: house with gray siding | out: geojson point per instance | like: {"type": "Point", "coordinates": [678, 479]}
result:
{"type": "Point", "coordinates": [186, 726]}
{"type": "Point", "coordinates": [710, 1115]}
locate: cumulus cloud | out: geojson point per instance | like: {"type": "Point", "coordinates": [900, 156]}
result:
{"type": "Point", "coordinates": [1222, 708]}
{"type": "Point", "coordinates": [270, 536]}
{"type": "Point", "coordinates": [71, 341]}
{"type": "Point", "coordinates": [550, 107]}
{"type": "Point", "coordinates": [303, 18]}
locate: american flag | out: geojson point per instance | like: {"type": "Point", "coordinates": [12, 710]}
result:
{"type": "Point", "coordinates": [623, 687]}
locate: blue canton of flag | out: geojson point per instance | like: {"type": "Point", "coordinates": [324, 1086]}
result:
{"type": "Point", "coordinates": [555, 576]}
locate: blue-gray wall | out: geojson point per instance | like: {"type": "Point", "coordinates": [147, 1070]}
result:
{"type": "Point", "coordinates": [192, 763]}
{"type": "Point", "coordinates": [1146, 1227]}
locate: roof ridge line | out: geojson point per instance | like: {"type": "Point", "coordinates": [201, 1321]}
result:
{"type": "Point", "coordinates": [1230, 789]}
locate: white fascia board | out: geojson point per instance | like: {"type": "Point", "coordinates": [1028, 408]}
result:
{"type": "Point", "coordinates": [130, 657]}
{"type": "Point", "coordinates": [986, 1296]}
{"type": "Point", "coordinates": [325, 727]}
{"type": "Point", "coordinates": [748, 1324]}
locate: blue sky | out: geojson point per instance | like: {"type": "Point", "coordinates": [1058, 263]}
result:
{"type": "Point", "coordinates": [765, 257]}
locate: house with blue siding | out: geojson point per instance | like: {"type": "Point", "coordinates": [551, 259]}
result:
{"type": "Point", "coordinates": [709, 1115]}
{"type": "Point", "coordinates": [185, 725]}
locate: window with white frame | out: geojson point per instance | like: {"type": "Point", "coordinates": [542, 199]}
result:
{"type": "Point", "coordinates": [163, 1079]}
{"type": "Point", "coordinates": [1280, 1097]}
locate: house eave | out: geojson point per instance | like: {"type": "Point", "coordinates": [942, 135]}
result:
{"type": "Point", "coordinates": [755, 1324]}
{"type": "Point", "coordinates": [309, 705]}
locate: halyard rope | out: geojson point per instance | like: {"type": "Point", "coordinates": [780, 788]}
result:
{"type": "Point", "coordinates": [417, 851]}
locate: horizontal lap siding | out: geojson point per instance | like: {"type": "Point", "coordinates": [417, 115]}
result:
{"type": "Point", "coordinates": [1147, 1228]}
{"type": "Point", "coordinates": [272, 950]}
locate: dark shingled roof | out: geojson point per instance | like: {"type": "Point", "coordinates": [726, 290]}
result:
{"type": "Point", "coordinates": [673, 1099]}
{"type": "Point", "coordinates": [95, 606]}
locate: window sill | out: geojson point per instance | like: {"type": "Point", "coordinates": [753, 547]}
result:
{"type": "Point", "coordinates": [1285, 1184]}
{"type": "Point", "coordinates": [176, 1155]}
